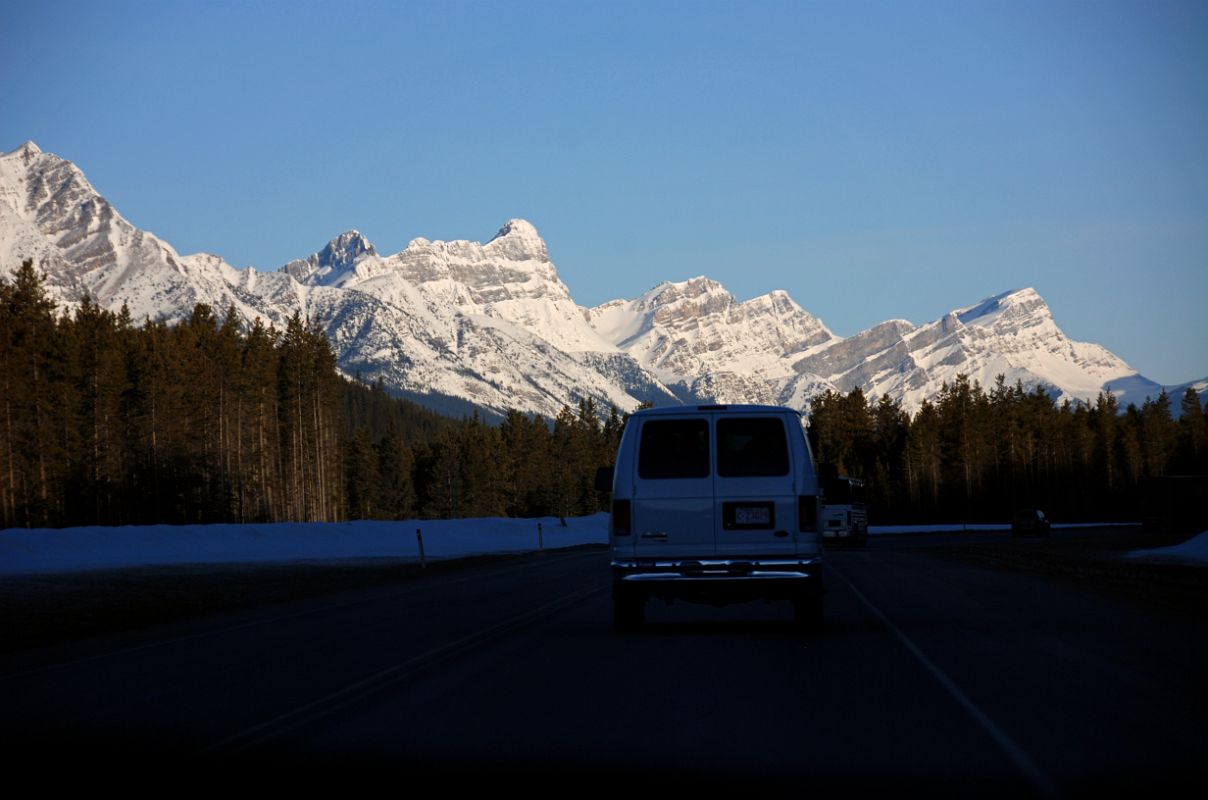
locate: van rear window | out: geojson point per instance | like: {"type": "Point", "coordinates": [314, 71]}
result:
{"type": "Point", "coordinates": [751, 447]}
{"type": "Point", "coordinates": [674, 448]}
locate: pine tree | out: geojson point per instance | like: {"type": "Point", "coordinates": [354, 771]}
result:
{"type": "Point", "coordinates": [396, 498]}
{"type": "Point", "coordinates": [824, 429]}
{"type": "Point", "coordinates": [362, 476]}
{"type": "Point", "coordinates": [1130, 445]}
{"type": "Point", "coordinates": [1193, 434]}
{"type": "Point", "coordinates": [965, 437]}
{"type": "Point", "coordinates": [479, 451]}
{"type": "Point", "coordinates": [924, 460]}
{"type": "Point", "coordinates": [309, 399]}
{"type": "Point", "coordinates": [886, 485]}
{"type": "Point", "coordinates": [263, 491]}
{"type": "Point", "coordinates": [1158, 434]}
{"type": "Point", "coordinates": [100, 377]}
{"type": "Point", "coordinates": [1105, 422]}
{"type": "Point", "coordinates": [530, 467]}
{"type": "Point", "coordinates": [26, 438]}
{"type": "Point", "coordinates": [443, 483]}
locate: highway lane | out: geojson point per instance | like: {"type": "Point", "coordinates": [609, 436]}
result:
{"type": "Point", "coordinates": [931, 674]}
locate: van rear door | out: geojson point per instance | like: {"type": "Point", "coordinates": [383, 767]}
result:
{"type": "Point", "coordinates": [755, 511]}
{"type": "Point", "coordinates": [672, 509]}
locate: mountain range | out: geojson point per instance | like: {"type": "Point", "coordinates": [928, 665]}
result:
{"type": "Point", "coordinates": [460, 325]}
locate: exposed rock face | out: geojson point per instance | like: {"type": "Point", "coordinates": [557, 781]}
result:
{"type": "Point", "coordinates": [338, 258]}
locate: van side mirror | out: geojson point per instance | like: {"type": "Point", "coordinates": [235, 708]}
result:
{"type": "Point", "coordinates": [604, 479]}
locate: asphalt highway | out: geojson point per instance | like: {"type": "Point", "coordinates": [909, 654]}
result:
{"type": "Point", "coordinates": [933, 674]}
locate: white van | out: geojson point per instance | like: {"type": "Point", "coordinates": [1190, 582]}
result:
{"type": "Point", "coordinates": [715, 504]}
{"type": "Point", "coordinates": [843, 515]}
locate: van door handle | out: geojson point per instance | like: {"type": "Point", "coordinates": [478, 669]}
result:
{"type": "Point", "coordinates": [781, 534]}
{"type": "Point", "coordinates": [661, 535]}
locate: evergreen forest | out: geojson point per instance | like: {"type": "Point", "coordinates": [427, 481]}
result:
{"type": "Point", "coordinates": [973, 455]}
{"type": "Point", "coordinates": [109, 421]}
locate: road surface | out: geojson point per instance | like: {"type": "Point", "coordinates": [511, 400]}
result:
{"type": "Point", "coordinates": [951, 675]}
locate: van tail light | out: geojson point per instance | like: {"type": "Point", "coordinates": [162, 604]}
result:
{"type": "Point", "coordinates": [807, 512]}
{"type": "Point", "coordinates": [620, 518]}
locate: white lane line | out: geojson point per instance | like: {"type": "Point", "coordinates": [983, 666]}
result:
{"type": "Point", "coordinates": [1031, 770]}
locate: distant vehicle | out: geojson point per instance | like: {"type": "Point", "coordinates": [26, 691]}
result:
{"type": "Point", "coordinates": [843, 514]}
{"type": "Point", "coordinates": [1030, 522]}
{"type": "Point", "coordinates": [714, 504]}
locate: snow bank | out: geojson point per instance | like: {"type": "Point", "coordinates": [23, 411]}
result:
{"type": "Point", "coordinates": [1192, 551]}
{"type": "Point", "coordinates": [47, 550]}
{"type": "Point", "coordinates": [25, 551]}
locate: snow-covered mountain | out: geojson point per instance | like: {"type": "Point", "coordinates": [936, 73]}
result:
{"type": "Point", "coordinates": [460, 324]}
{"type": "Point", "coordinates": [697, 338]}
{"type": "Point", "coordinates": [682, 330]}
{"type": "Point", "coordinates": [448, 323]}
{"type": "Point", "coordinates": [1012, 334]}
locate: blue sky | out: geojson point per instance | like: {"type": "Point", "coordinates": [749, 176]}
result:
{"type": "Point", "coordinates": [876, 160]}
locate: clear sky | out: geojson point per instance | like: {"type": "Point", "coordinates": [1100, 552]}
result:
{"type": "Point", "coordinates": [877, 160]}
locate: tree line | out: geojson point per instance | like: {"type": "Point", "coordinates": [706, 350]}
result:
{"type": "Point", "coordinates": [976, 455]}
{"type": "Point", "coordinates": [107, 422]}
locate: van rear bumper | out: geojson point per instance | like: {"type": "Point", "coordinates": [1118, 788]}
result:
{"type": "Point", "coordinates": [721, 578]}
{"type": "Point", "coordinates": [805, 567]}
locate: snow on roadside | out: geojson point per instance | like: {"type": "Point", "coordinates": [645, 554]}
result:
{"type": "Point", "coordinates": [1192, 551]}
{"type": "Point", "coordinates": [43, 550]}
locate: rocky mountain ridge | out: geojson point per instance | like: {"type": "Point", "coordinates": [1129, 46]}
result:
{"type": "Point", "coordinates": [491, 325]}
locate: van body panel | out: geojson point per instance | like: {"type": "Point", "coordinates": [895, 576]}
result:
{"type": "Point", "coordinates": [672, 496]}
{"type": "Point", "coordinates": [679, 526]}
{"type": "Point", "coordinates": [755, 499]}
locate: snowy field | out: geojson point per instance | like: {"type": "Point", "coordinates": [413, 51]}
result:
{"type": "Point", "coordinates": [24, 551]}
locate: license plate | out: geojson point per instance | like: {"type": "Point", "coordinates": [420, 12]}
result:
{"type": "Point", "coordinates": [752, 515]}
{"type": "Point", "coordinates": [748, 516]}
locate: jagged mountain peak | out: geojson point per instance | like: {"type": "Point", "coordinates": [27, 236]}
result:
{"type": "Point", "coordinates": [513, 265]}
{"type": "Point", "coordinates": [518, 240]}
{"type": "Point", "coordinates": [41, 176]}
{"type": "Point", "coordinates": [52, 214]}
{"type": "Point", "coordinates": [1012, 334]}
{"type": "Point", "coordinates": [517, 227]}
{"type": "Point", "coordinates": [1014, 304]}
{"type": "Point", "coordinates": [28, 151]}
{"type": "Point", "coordinates": [342, 252]}
{"type": "Point", "coordinates": [688, 329]}
{"type": "Point", "coordinates": [777, 301]}
{"type": "Point", "coordinates": [337, 258]}
{"type": "Point", "coordinates": [349, 241]}
{"type": "Point", "coordinates": [688, 292]}
{"type": "Point", "coordinates": [702, 296]}
{"type": "Point", "coordinates": [34, 159]}
{"type": "Point", "coordinates": [692, 287]}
